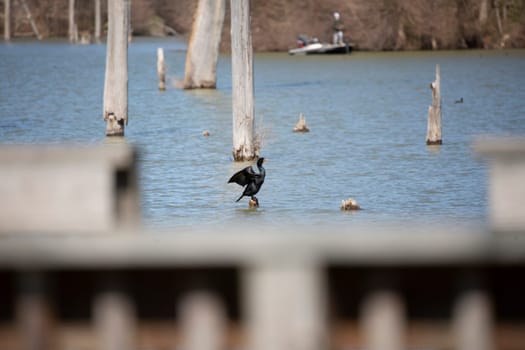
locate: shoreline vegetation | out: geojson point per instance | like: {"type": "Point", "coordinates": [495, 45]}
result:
{"type": "Point", "coordinates": [378, 25]}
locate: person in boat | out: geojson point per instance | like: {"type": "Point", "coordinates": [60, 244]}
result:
{"type": "Point", "coordinates": [337, 27]}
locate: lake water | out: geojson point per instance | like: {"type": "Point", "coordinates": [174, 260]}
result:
{"type": "Point", "coordinates": [367, 113]}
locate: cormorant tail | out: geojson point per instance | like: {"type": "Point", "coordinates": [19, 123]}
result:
{"type": "Point", "coordinates": [238, 199]}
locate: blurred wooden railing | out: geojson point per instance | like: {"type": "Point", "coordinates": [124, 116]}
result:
{"type": "Point", "coordinates": [396, 287]}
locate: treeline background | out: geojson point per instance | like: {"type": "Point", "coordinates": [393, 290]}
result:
{"type": "Point", "coordinates": [369, 24]}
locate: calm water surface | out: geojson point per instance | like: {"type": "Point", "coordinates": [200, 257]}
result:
{"type": "Point", "coordinates": [367, 113]}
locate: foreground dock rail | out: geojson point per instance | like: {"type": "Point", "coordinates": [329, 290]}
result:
{"type": "Point", "coordinates": [113, 287]}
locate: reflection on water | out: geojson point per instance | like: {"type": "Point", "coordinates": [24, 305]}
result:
{"type": "Point", "coordinates": [367, 114]}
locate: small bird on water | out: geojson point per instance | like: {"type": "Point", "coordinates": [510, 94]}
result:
{"type": "Point", "coordinates": [252, 180]}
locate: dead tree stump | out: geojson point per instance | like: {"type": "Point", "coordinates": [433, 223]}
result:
{"type": "Point", "coordinates": [434, 113]}
{"type": "Point", "coordinates": [97, 21]}
{"type": "Point", "coordinates": [349, 204]}
{"type": "Point", "coordinates": [161, 69]}
{"type": "Point", "coordinates": [7, 20]}
{"type": "Point", "coordinates": [242, 82]}
{"type": "Point", "coordinates": [203, 47]}
{"type": "Point", "coordinates": [116, 81]}
{"type": "Point", "coordinates": [301, 125]}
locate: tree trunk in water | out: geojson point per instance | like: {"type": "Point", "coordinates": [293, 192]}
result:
{"type": "Point", "coordinates": [116, 82]}
{"type": "Point", "coordinates": [72, 24]}
{"type": "Point", "coordinates": [161, 70]}
{"type": "Point", "coordinates": [7, 20]}
{"type": "Point", "coordinates": [97, 21]}
{"type": "Point", "coordinates": [434, 113]}
{"type": "Point", "coordinates": [242, 81]}
{"type": "Point", "coordinates": [203, 49]}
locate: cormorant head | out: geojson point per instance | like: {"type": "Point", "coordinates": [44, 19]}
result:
{"type": "Point", "coordinates": [260, 161]}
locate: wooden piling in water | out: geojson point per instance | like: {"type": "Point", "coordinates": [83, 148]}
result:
{"type": "Point", "coordinates": [242, 81]}
{"type": "Point", "coordinates": [116, 80]}
{"type": "Point", "coordinates": [203, 47]}
{"type": "Point", "coordinates": [7, 20]}
{"type": "Point", "coordinates": [161, 69]}
{"type": "Point", "coordinates": [434, 113]}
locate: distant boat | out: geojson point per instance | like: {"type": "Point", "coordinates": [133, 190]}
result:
{"type": "Point", "coordinates": [312, 46]}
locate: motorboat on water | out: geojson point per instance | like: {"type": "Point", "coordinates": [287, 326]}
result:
{"type": "Point", "coordinates": [312, 46]}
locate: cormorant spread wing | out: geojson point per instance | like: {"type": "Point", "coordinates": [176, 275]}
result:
{"type": "Point", "coordinates": [243, 177]}
{"type": "Point", "coordinates": [249, 178]}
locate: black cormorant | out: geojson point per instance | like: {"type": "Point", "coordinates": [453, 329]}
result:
{"type": "Point", "coordinates": [249, 178]}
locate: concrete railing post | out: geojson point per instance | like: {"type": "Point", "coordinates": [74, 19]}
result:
{"type": "Point", "coordinates": [473, 321]}
{"type": "Point", "coordinates": [202, 318]}
{"type": "Point", "coordinates": [33, 313]}
{"type": "Point", "coordinates": [383, 321]}
{"type": "Point", "coordinates": [285, 306]}
{"type": "Point", "coordinates": [114, 318]}
{"type": "Point", "coordinates": [507, 184]}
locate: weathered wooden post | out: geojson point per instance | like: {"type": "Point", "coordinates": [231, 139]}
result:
{"type": "Point", "coordinates": [242, 82]}
{"type": "Point", "coordinates": [116, 82]}
{"type": "Point", "coordinates": [434, 113]}
{"type": "Point", "coordinates": [202, 319]}
{"type": "Point", "coordinates": [203, 49]}
{"type": "Point", "coordinates": [97, 21]}
{"type": "Point", "coordinates": [7, 20]}
{"type": "Point", "coordinates": [72, 31]}
{"type": "Point", "coordinates": [161, 69]}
